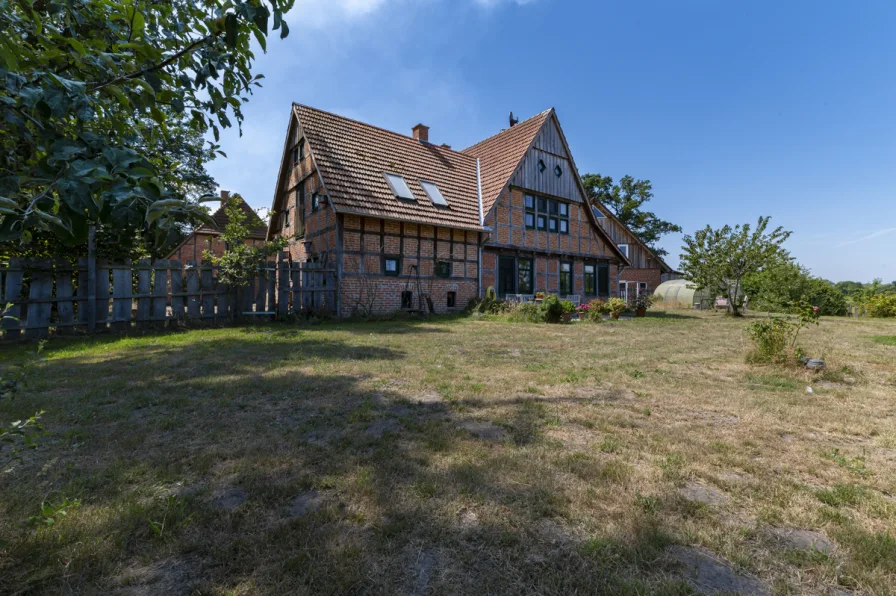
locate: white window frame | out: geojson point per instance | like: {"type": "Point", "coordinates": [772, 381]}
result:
{"type": "Point", "coordinates": [623, 248]}
{"type": "Point", "coordinates": [434, 193]}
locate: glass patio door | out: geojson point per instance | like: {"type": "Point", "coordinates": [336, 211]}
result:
{"type": "Point", "coordinates": [506, 276]}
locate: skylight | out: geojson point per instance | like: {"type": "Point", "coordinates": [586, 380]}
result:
{"type": "Point", "coordinates": [434, 194]}
{"type": "Point", "coordinates": [399, 187]}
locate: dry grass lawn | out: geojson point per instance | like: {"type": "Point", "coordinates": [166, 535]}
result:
{"type": "Point", "coordinates": [456, 456]}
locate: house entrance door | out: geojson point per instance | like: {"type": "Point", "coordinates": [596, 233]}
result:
{"type": "Point", "coordinates": [506, 276]}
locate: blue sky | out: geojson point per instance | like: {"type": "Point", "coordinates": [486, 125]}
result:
{"type": "Point", "coordinates": [732, 110]}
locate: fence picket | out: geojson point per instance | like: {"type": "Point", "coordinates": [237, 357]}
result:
{"type": "Point", "coordinates": [271, 274]}
{"type": "Point", "coordinates": [160, 294]}
{"type": "Point", "coordinates": [102, 293]}
{"type": "Point", "coordinates": [177, 289]}
{"type": "Point", "coordinates": [37, 323]}
{"type": "Point", "coordinates": [192, 290]}
{"type": "Point", "coordinates": [282, 285]}
{"type": "Point", "coordinates": [260, 291]}
{"type": "Point", "coordinates": [13, 291]}
{"type": "Point", "coordinates": [295, 274]}
{"type": "Point", "coordinates": [82, 292]}
{"type": "Point", "coordinates": [122, 296]}
{"type": "Point", "coordinates": [144, 288]}
{"type": "Point", "coordinates": [208, 291]}
{"type": "Point", "coordinates": [64, 289]}
{"type": "Point", "coordinates": [224, 303]}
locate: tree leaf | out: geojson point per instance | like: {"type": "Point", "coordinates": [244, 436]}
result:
{"type": "Point", "coordinates": [231, 28]}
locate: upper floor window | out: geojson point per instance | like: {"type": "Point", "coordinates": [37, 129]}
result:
{"type": "Point", "coordinates": [598, 213]}
{"type": "Point", "coordinates": [298, 152]}
{"type": "Point", "coordinates": [546, 214]}
{"type": "Point", "coordinates": [315, 201]}
{"type": "Point", "coordinates": [623, 248]}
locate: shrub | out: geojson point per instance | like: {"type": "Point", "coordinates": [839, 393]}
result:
{"type": "Point", "coordinates": [617, 306]}
{"type": "Point", "coordinates": [568, 306]}
{"type": "Point", "coordinates": [644, 301]}
{"type": "Point", "coordinates": [775, 338]}
{"type": "Point", "coordinates": [593, 311]}
{"type": "Point", "coordinates": [526, 312]}
{"type": "Point", "coordinates": [552, 309]}
{"type": "Point", "coordinates": [882, 305]}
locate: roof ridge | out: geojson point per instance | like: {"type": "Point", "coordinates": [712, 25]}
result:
{"type": "Point", "coordinates": [500, 132]}
{"type": "Point", "coordinates": [386, 130]}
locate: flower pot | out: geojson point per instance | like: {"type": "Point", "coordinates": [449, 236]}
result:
{"type": "Point", "coordinates": [641, 312]}
{"type": "Point", "coordinates": [614, 315]}
{"type": "Point", "coordinates": [567, 317]}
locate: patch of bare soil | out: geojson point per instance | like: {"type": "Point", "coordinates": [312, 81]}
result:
{"type": "Point", "coordinates": [229, 498]}
{"type": "Point", "coordinates": [709, 574]}
{"type": "Point", "coordinates": [305, 503]}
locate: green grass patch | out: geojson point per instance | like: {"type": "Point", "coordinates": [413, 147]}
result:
{"type": "Point", "coordinates": [887, 340]}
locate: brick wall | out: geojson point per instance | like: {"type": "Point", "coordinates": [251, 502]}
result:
{"type": "Point", "coordinates": [651, 276]}
{"type": "Point", "coordinates": [367, 241]}
{"type": "Point", "coordinates": [196, 244]}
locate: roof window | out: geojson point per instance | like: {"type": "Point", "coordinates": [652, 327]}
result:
{"type": "Point", "coordinates": [399, 187]}
{"type": "Point", "coordinates": [434, 194]}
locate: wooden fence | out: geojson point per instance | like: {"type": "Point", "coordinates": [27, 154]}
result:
{"type": "Point", "coordinates": [55, 296]}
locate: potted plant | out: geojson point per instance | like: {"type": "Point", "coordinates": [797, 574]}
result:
{"type": "Point", "coordinates": [616, 307]}
{"type": "Point", "coordinates": [539, 295]}
{"type": "Point", "coordinates": [642, 303]}
{"type": "Point", "coordinates": [568, 309]}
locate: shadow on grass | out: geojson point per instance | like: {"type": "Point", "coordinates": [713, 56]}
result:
{"type": "Point", "coordinates": [409, 502]}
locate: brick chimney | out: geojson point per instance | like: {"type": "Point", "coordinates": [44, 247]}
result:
{"type": "Point", "coordinates": [225, 194]}
{"type": "Point", "coordinates": [421, 133]}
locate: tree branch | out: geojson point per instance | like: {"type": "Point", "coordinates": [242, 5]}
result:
{"type": "Point", "coordinates": [167, 62]}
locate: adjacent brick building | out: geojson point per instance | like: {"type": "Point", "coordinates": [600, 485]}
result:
{"type": "Point", "coordinates": [389, 212]}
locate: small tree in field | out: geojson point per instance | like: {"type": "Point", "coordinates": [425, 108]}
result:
{"type": "Point", "coordinates": [239, 263]}
{"type": "Point", "coordinates": [718, 260]}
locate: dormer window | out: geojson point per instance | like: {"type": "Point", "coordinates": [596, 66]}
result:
{"type": "Point", "coordinates": [434, 194]}
{"type": "Point", "coordinates": [399, 187]}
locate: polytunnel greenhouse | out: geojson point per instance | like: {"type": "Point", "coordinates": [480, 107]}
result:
{"type": "Point", "coordinates": [680, 293]}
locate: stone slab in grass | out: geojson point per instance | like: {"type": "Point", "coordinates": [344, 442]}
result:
{"type": "Point", "coordinates": [804, 540]}
{"type": "Point", "coordinates": [484, 430]}
{"type": "Point", "coordinates": [709, 574]}
{"type": "Point", "coordinates": [229, 498]}
{"type": "Point", "coordinates": [701, 493]}
{"type": "Point", "coordinates": [305, 503]}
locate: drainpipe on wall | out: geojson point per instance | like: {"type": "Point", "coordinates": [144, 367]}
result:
{"type": "Point", "coordinates": [481, 223]}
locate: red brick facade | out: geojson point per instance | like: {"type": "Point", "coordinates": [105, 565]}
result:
{"type": "Point", "coordinates": [197, 243]}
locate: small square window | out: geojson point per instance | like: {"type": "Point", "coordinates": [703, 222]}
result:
{"type": "Point", "coordinates": [564, 209]}
{"type": "Point", "coordinates": [452, 299]}
{"type": "Point", "coordinates": [443, 269]}
{"type": "Point", "coordinates": [542, 222]}
{"type": "Point", "coordinates": [530, 220]}
{"type": "Point", "coordinates": [553, 224]}
{"type": "Point", "coordinates": [390, 266]}
{"type": "Point", "coordinates": [564, 226]}
{"type": "Point", "coordinates": [555, 207]}
{"type": "Point", "coordinates": [530, 202]}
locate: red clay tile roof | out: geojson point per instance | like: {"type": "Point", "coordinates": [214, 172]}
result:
{"type": "Point", "coordinates": [258, 230]}
{"type": "Point", "coordinates": [499, 155]}
{"type": "Point", "coordinates": [352, 157]}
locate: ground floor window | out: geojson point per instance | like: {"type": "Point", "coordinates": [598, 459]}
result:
{"type": "Point", "coordinates": [590, 279]}
{"type": "Point", "coordinates": [566, 278]}
{"type": "Point", "coordinates": [642, 288]}
{"type": "Point", "coordinates": [452, 299]}
{"type": "Point", "coordinates": [391, 265]}
{"type": "Point", "coordinates": [525, 279]}
{"type": "Point", "coordinates": [603, 280]}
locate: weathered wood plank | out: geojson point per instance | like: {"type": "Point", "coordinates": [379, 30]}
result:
{"type": "Point", "coordinates": [208, 291]}
{"type": "Point", "coordinates": [192, 290]}
{"type": "Point", "coordinates": [81, 292]}
{"type": "Point", "coordinates": [271, 274]}
{"type": "Point", "coordinates": [144, 287]}
{"type": "Point", "coordinates": [224, 303]}
{"type": "Point", "coordinates": [260, 291]}
{"type": "Point", "coordinates": [177, 289]}
{"type": "Point", "coordinates": [37, 323]}
{"type": "Point", "coordinates": [160, 290]}
{"type": "Point", "coordinates": [102, 293]}
{"type": "Point", "coordinates": [122, 291]}
{"type": "Point", "coordinates": [13, 291]}
{"type": "Point", "coordinates": [295, 274]}
{"type": "Point", "coordinates": [282, 285]}
{"type": "Point", "coordinates": [65, 308]}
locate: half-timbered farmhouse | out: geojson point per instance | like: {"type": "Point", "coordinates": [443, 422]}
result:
{"type": "Point", "coordinates": [398, 216]}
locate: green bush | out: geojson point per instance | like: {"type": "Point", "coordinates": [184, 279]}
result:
{"type": "Point", "coordinates": [526, 312]}
{"type": "Point", "coordinates": [552, 309]}
{"type": "Point", "coordinates": [882, 305]}
{"type": "Point", "coordinates": [771, 338]}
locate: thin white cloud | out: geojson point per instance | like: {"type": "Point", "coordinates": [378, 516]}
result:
{"type": "Point", "coordinates": [317, 13]}
{"type": "Point", "coordinates": [870, 236]}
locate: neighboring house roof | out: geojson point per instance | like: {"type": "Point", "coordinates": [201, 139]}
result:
{"type": "Point", "coordinates": [500, 155]}
{"type": "Point", "coordinates": [257, 228]}
{"type": "Point", "coordinates": [664, 267]}
{"type": "Point", "coordinates": [352, 158]}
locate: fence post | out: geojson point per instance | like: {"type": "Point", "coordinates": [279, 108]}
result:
{"type": "Point", "coordinates": [282, 285]}
{"type": "Point", "coordinates": [261, 289]}
{"type": "Point", "coordinates": [91, 279]}
{"type": "Point", "coordinates": [101, 297]}
{"type": "Point", "coordinates": [208, 291]}
{"type": "Point", "coordinates": [160, 294]}
{"type": "Point", "coordinates": [177, 289]}
{"type": "Point", "coordinates": [271, 274]}
{"type": "Point", "coordinates": [295, 272]}
{"type": "Point", "coordinates": [192, 290]}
